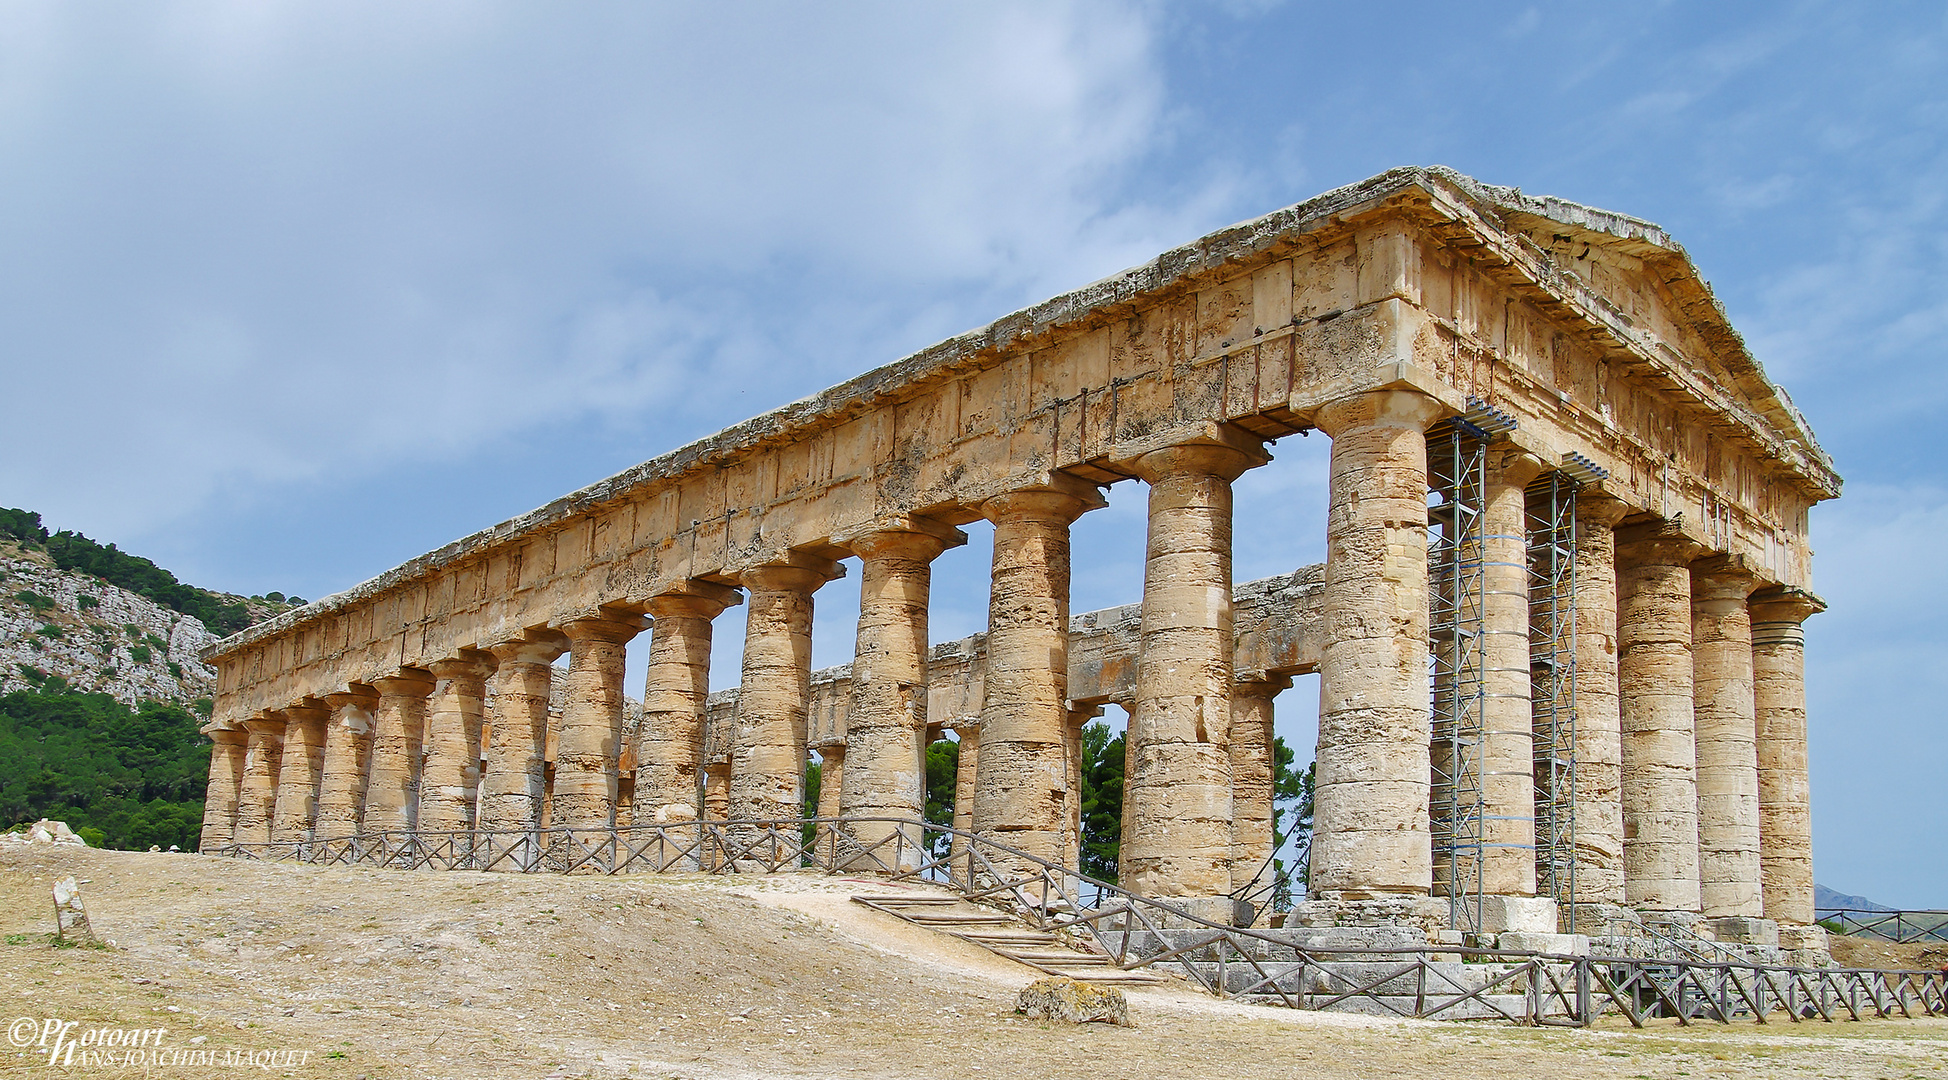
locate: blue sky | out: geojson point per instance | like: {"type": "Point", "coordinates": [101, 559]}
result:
{"type": "Point", "coordinates": [290, 293]}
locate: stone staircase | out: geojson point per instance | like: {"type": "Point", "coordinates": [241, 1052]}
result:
{"type": "Point", "coordinates": [1007, 936]}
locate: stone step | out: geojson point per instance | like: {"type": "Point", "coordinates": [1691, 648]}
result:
{"type": "Point", "coordinates": [1010, 938]}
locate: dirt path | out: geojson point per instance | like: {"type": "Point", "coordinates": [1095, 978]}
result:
{"type": "Point", "coordinates": [395, 974]}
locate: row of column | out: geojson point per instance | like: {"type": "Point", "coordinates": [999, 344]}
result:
{"type": "Point", "coordinates": [1693, 722]}
{"type": "Point", "coordinates": [1691, 772]}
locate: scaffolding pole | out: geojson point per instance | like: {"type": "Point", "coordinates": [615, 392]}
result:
{"type": "Point", "coordinates": [1551, 506]}
{"type": "Point", "coordinates": [1457, 477]}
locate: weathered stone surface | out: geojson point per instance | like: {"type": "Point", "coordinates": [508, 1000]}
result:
{"type": "Point", "coordinates": [584, 793]}
{"type": "Point", "coordinates": [1599, 723]}
{"type": "Point", "coordinates": [1065, 999]}
{"type": "Point", "coordinates": [1728, 768]}
{"type": "Point", "coordinates": [398, 726]}
{"type": "Point", "coordinates": [70, 917]}
{"type": "Point", "coordinates": [1779, 705]}
{"type": "Point", "coordinates": [669, 743]}
{"type": "Point", "coordinates": [513, 785]}
{"type": "Point", "coordinates": [1508, 723]}
{"type": "Point", "coordinates": [1654, 678]}
{"type": "Point", "coordinates": [1177, 796]}
{"type": "Point", "coordinates": [301, 764]}
{"type": "Point", "coordinates": [343, 774]}
{"type": "Point", "coordinates": [225, 788]}
{"type": "Point", "coordinates": [1022, 791]}
{"type": "Point", "coordinates": [257, 800]}
{"type": "Point", "coordinates": [1370, 830]}
{"type": "Point", "coordinates": [451, 771]}
{"type": "Point", "coordinates": [1251, 750]}
{"type": "Point", "coordinates": [767, 765]}
{"type": "Point", "coordinates": [886, 722]}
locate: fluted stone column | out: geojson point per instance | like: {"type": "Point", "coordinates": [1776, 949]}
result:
{"type": "Point", "coordinates": [1253, 776]}
{"type": "Point", "coordinates": [398, 726]}
{"type": "Point", "coordinates": [227, 754]}
{"type": "Point", "coordinates": [515, 781]}
{"type": "Point", "coordinates": [831, 775]}
{"type": "Point", "coordinates": [451, 773]}
{"type": "Point", "coordinates": [348, 745]}
{"type": "Point", "coordinates": [886, 719]}
{"type": "Point", "coordinates": [300, 765]}
{"type": "Point", "coordinates": [1508, 718]}
{"type": "Point", "coordinates": [1020, 795]}
{"type": "Point", "coordinates": [591, 721]}
{"type": "Point", "coordinates": [1599, 730]}
{"type": "Point", "coordinates": [1370, 827]}
{"type": "Point", "coordinates": [1728, 765]}
{"type": "Point", "coordinates": [669, 745]}
{"type": "Point", "coordinates": [1654, 679]}
{"type": "Point", "coordinates": [767, 766]}
{"type": "Point", "coordinates": [257, 802]}
{"type": "Point", "coordinates": [1779, 699]}
{"type": "Point", "coordinates": [967, 769]}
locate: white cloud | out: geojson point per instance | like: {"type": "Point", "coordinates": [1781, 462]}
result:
{"type": "Point", "coordinates": [257, 244]}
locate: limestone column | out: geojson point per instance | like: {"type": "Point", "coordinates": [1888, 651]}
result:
{"type": "Point", "coordinates": [831, 777]}
{"type": "Point", "coordinates": [1779, 699]}
{"type": "Point", "coordinates": [1599, 730]}
{"type": "Point", "coordinates": [1654, 679]}
{"type": "Point", "coordinates": [516, 777]}
{"type": "Point", "coordinates": [1508, 718]}
{"type": "Point", "coordinates": [1177, 798]}
{"type": "Point", "coordinates": [967, 770]}
{"type": "Point", "coordinates": [1020, 794]}
{"type": "Point", "coordinates": [257, 801]}
{"type": "Point", "coordinates": [300, 765]}
{"type": "Point", "coordinates": [669, 745]}
{"type": "Point", "coordinates": [227, 754]}
{"type": "Point", "coordinates": [591, 722]}
{"type": "Point", "coordinates": [1728, 764]}
{"type": "Point", "coordinates": [886, 718]}
{"type": "Point", "coordinates": [1254, 768]}
{"type": "Point", "coordinates": [348, 743]}
{"type": "Point", "coordinates": [768, 754]}
{"type": "Point", "coordinates": [392, 789]}
{"type": "Point", "coordinates": [1370, 829]}
{"type": "Point", "coordinates": [452, 743]}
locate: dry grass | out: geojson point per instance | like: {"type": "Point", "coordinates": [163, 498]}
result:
{"type": "Point", "coordinates": [393, 974]}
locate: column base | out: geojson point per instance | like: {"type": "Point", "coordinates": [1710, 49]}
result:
{"type": "Point", "coordinates": [1601, 920]}
{"type": "Point", "coordinates": [1517, 914]}
{"type": "Point", "coordinates": [1805, 946]}
{"type": "Point", "coordinates": [1222, 910]}
{"type": "Point", "coordinates": [1744, 930]}
{"type": "Point", "coordinates": [1425, 914]}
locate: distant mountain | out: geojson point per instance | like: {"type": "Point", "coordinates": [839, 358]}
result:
{"type": "Point", "coordinates": [76, 615]}
{"type": "Point", "coordinates": [1825, 900]}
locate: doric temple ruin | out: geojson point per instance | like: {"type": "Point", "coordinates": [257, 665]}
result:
{"type": "Point", "coordinates": [1557, 632]}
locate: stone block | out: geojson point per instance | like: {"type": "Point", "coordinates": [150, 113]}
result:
{"type": "Point", "coordinates": [1521, 914]}
{"type": "Point", "coordinates": [1744, 930]}
{"type": "Point", "coordinates": [1553, 944]}
{"type": "Point", "coordinates": [1065, 999]}
{"type": "Point", "coordinates": [1802, 938]}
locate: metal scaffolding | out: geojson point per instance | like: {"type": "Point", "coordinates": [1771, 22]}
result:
{"type": "Point", "coordinates": [1457, 474]}
{"type": "Point", "coordinates": [1551, 501]}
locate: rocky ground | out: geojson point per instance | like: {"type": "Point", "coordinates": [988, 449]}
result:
{"type": "Point", "coordinates": [396, 974]}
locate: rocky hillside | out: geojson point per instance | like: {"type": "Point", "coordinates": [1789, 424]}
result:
{"type": "Point", "coordinates": [94, 636]}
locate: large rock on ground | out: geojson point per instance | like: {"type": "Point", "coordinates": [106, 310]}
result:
{"type": "Point", "coordinates": [1063, 998]}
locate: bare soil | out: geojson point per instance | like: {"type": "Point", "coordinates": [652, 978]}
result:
{"type": "Point", "coordinates": [1862, 952]}
{"type": "Point", "coordinates": [398, 974]}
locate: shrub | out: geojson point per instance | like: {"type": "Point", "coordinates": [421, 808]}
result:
{"type": "Point", "coordinates": [86, 602]}
{"type": "Point", "coordinates": [276, 597]}
{"type": "Point", "coordinates": [175, 670]}
{"type": "Point", "coordinates": [32, 674]}
{"type": "Point", "coordinates": [50, 630]}
{"type": "Point", "coordinates": [95, 837]}
{"type": "Point", "coordinates": [139, 654]}
{"type": "Point", "coordinates": [35, 600]}
{"type": "Point", "coordinates": [155, 642]}
{"type": "Point", "coordinates": [132, 630]}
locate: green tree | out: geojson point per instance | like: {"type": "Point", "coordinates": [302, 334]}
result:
{"type": "Point", "coordinates": [1102, 800]}
{"type": "Point", "coordinates": [137, 774]}
{"type": "Point", "coordinates": [1291, 825]}
{"type": "Point", "coordinates": [943, 772]}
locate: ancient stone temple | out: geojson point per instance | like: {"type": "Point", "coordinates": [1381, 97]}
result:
{"type": "Point", "coordinates": [1557, 631]}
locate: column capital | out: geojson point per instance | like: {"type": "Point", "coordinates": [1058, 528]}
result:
{"type": "Point", "coordinates": [908, 535]}
{"type": "Point", "coordinates": [224, 736]}
{"type": "Point", "coordinates": [306, 711]}
{"type": "Point", "coordinates": [1514, 465]}
{"type": "Point", "coordinates": [1785, 603]}
{"type": "Point", "coordinates": [798, 571]}
{"type": "Point", "coordinates": [1380, 408]}
{"type": "Point", "coordinates": [409, 682]}
{"type": "Point", "coordinates": [1260, 683]}
{"type": "Point", "coordinates": [1226, 453]}
{"type": "Point", "coordinates": [470, 664]}
{"type": "Point", "coordinates": [270, 724]}
{"type": "Point", "coordinates": [1600, 508]}
{"type": "Point", "coordinates": [692, 598]}
{"type": "Point", "coordinates": [1722, 577]}
{"type": "Point", "coordinates": [614, 627]}
{"type": "Point", "coordinates": [1658, 542]}
{"type": "Point", "coordinates": [533, 647]}
{"type": "Point", "coordinates": [1062, 500]}
{"type": "Point", "coordinates": [354, 696]}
